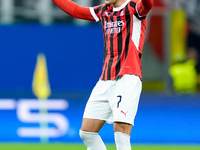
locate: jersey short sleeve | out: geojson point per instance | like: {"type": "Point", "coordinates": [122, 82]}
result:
{"type": "Point", "coordinates": [96, 11]}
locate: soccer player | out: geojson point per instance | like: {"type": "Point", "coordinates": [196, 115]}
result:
{"type": "Point", "coordinates": [116, 95]}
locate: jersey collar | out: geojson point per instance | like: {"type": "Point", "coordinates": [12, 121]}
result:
{"type": "Point", "coordinates": [121, 7]}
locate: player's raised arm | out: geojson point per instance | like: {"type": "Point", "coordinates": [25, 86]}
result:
{"type": "Point", "coordinates": [74, 10]}
{"type": "Point", "coordinates": [144, 6]}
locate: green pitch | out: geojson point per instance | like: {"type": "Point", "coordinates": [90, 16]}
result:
{"type": "Point", "coordinates": [82, 147]}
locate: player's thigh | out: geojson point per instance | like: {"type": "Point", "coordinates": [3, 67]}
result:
{"type": "Point", "coordinates": [92, 125]}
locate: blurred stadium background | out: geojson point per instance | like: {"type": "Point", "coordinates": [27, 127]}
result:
{"type": "Point", "coordinates": [169, 110]}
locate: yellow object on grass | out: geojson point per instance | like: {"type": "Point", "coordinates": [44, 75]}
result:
{"type": "Point", "coordinates": [42, 91]}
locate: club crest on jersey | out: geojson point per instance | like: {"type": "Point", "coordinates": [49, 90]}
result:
{"type": "Point", "coordinates": [122, 13]}
{"type": "Point", "coordinates": [106, 13]}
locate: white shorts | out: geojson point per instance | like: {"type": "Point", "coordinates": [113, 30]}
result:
{"type": "Point", "coordinates": [115, 100]}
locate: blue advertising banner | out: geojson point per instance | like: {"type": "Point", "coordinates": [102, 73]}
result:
{"type": "Point", "coordinates": [160, 119]}
{"type": "Point", "coordinates": [21, 120]}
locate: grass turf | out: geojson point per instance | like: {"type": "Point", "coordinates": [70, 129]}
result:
{"type": "Point", "coordinates": [82, 147]}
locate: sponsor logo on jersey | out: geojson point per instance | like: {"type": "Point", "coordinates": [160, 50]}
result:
{"type": "Point", "coordinates": [113, 26]}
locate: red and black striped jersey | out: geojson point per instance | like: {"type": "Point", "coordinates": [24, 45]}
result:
{"type": "Point", "coordinates": [124, 34]}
